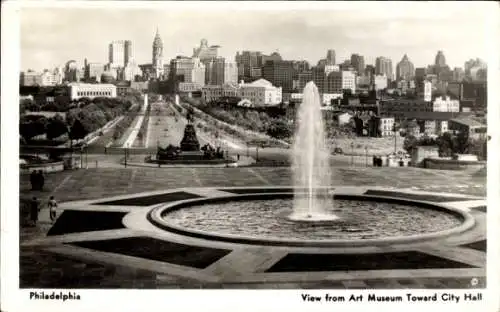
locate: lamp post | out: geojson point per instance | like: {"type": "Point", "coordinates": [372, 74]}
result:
{"type": "Point", "coordinates": [366, 156]}
{"type": "Point", "coordinates": [395, 138]}
{"type": "Point", "coordinates": [352, 153]}
{"type": "Point", "coordinates": [126, 152]}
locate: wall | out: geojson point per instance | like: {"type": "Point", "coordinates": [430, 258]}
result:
{"type": "Point", "coordinates": [423, 152]}
{"type": "Point", "coordinates": [46, 167]}
{"type": "Point", "coordinates": [447, 164]}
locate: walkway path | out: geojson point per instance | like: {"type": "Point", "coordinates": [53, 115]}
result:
{"type": "Point", "coordinates": [135, 130]}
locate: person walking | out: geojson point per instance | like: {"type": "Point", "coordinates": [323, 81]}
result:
{"type": "Point", "coordinates": [34, 210]}
{"type": "Point", "coordinates": [52, 208]}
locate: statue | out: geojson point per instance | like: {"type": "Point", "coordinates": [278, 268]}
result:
{"type": "Point", "coordinates": [190, 142]}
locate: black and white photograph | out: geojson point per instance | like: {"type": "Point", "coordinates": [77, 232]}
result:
{"type": "Point", "coordinates": [330, 154]}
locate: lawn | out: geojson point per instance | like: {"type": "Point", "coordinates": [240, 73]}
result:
{"type": "Point", "coordinates": [376, 146]}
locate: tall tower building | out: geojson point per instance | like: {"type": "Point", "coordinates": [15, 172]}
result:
{"type": "Point", "coordinates": [128, 56]}
{"type": "Point", "coordinates": [440, 59]}
{"type": "Point", "coordinates": [358, 62]}
{"type": "Point", "coordinates": [157, 56]}
{"type": "Point", "coordinates": [383, 66]}
{"type": "Point", "coordinates": [120, 52]}
{"type": "Point", "coordinates": [405, 69]}
{"type": "Point", "coordinates": [330, 57]}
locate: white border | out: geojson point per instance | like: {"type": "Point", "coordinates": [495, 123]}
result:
{"type": "Point", "coordinates": [207, 300]}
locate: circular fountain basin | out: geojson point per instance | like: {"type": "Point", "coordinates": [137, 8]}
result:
{"type": "Point", "coordinates": [268, 219]}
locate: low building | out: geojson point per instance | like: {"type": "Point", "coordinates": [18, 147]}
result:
{"type": "Point", "coordinates": [30, 78]}
{"type": "Point", "coordinates": [420, 153]}
{"type": "Point", "coordinates": [189, 87]}
{"type": "Point", "coordinates": [445, 104]}
{"type": "Point", "coordinates": [142, 86]}
{"type": "Point", "coordinates": [260, 93]}
{"type": "Point", "coordinates": [380, 82]}
{"type": "Point", "coordinates": [386, 126]}
{"type": "Point", "coordinates": [473, 128]}
{"type": "Point", "coordinates": [122, 88]}
{"type": "Point", "coordinates": [81, 90]}
{"type": "Point", "coordinates": [326, 98]}
{"type": "Point", "coordinates": [401, 108]}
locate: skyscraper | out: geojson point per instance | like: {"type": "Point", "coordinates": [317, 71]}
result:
{"type": "Point", "coordinates": [249, 61]}
{"type": "Point", "coordinates": [280, 74]}
{"type": "Point", "coordinates": [204, 52]}
{"type": "Point", "coordinates": [330, 57]}
{"type": "Point", "coordinates": [120, 53]}
{"type": "Point", "coordinates": [383, 66]}
{"type": "Point", "coordinates": [157, 56]}
{"type": "Point", "coordinates": [440, 59]}
{"type": "Point", "coordinates": [405, 69]}
{"type": "Point", "coordinates": [358, 62]}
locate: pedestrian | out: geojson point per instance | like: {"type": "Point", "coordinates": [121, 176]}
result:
{"type": "Point", "coordinates": [34, 210]}
{"type": "Point", "coordinates": [41, 180]}
{"type": "Point", "coordinates": [33, 180]}
{"type": "Point", "coordinates": [52, 208]}
{"type": "Point", "coordinates": [238, 156]}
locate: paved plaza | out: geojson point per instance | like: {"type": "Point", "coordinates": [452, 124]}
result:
{"type": "Point", "coordinates": [103, 239]}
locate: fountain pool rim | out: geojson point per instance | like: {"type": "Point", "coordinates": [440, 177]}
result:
{"type": "Point", "coordinates": [156, 217]}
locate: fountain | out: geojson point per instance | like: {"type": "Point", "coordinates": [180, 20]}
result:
{"type": "Point", "coordinates": [310, 163]}
{"type": "Point", "coordinates": [306, 214]}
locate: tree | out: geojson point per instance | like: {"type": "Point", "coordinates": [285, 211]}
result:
{"type": "Point", "coordinates": [77, 131]}
{"type": "Point", "coordinates": [27, 130]}
{"type": "Point", "coordinates": [462, 142]}
{"type": "Point", "coordinates": [56, 127]}
{"type": "Point", "coordinates": [446, 145]}
{"type": "Point", "coordinates": [410, 143]}
{"type": "Point", "coordinates": [279, 129]}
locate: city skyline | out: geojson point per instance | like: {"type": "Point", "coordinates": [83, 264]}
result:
{"type": "Point", "coordinates": [296, 35]}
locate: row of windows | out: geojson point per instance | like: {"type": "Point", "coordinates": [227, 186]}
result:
{"type": "Point", "coordinates": [94, 93]}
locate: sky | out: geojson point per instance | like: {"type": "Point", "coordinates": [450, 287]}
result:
{"type": "Point", "coordinates": [52, 36]}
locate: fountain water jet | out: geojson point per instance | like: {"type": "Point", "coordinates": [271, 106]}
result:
{"type": "Point", "coordinates": [310, 164]}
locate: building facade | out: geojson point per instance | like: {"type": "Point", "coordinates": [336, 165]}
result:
{"type": "Point", "coordinates": [120, 53]}
{"type": "Point", "coordinates": [386, 126]}
{"type": "Point", "coordinates": [205, 52]}
{"type": "Point", "coordinates": [445, 104]}
{"type": "Point", "coordinates": [30, 78]}
{"type": "Point", "coordinates": [330, 57]}
{"type": "Point", "coordinates": [338, 81]}
{"type": "Point", "coordinates": [380, 82]}
{"type": "Point", "coordinates": [405, 69]}
{"type": "Point", "coordinates": [473, 128]}
{"type": "Point", "coordinates": [184, 69]}
{"type": "Point", "coordinates": [440, 60]}
{"type": "Point", "coordinates": [187, 87]}
{"type": "Point", "coordinates": [358, 62]}
{"type": "Point", "coordinates": [258, 93]}
{"type": "Point", "coordinates": [81, 90]}
{"type": "Point", "coordinates": [383, 66]}
{"type": "Point", "coordinates": [280, 74]}
{"type": "Point", "coordinates": [402, 107]}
